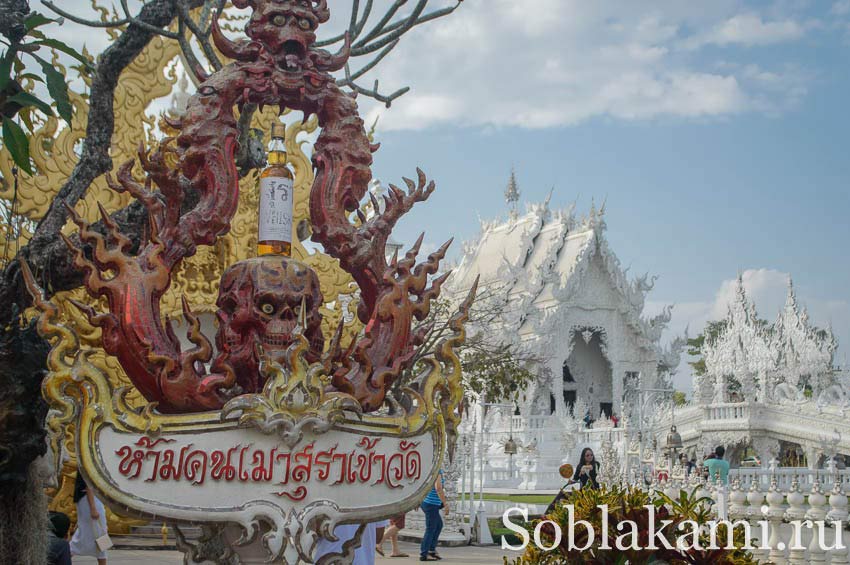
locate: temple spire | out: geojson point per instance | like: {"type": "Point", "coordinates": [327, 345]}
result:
{"type": "Point", "coordinates": [512, 194]}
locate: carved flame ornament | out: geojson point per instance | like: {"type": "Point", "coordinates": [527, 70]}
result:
{"type": "Point", "coordinates": [286, 424]}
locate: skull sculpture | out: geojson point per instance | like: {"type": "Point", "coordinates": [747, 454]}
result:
{"type": "Point", "coordinates": [259, 302]}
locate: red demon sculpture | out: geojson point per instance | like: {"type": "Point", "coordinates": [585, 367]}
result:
{"type": "Point", "coordinates": [279, 65]}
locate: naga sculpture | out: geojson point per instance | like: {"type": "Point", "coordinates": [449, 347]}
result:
{"type": "Point", "coordinates": [260, 298]}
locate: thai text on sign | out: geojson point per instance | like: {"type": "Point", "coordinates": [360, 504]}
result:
{"type": "Point", "coordinates": [157, 460]}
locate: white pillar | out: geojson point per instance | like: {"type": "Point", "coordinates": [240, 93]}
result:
{"type": "Point", "coordinates": [817, 514]}
{"type": "Point", "coordinates": [838, 516]}
{"type": "Point", "coordinates": [796, 513]}
{"type": "Point", "coordinates": [755, 500]}
{"type": "Point", "coordinates": [775, 514]}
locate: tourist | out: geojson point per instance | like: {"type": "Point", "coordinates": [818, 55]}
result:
{"type": "Point", "coordinates": [691, 465]}
{"type": "Point", "coordinates": [431, 506]}
{"type": "Point", "coordinates": [586, 469]}
{"type": "Point", "coordinates": [58, 548]}
{"type": "Point", "coordinates": [614, 419]}
{"type": "Point", "coordinates": [588, 419]}
{"type": "Point", "coordinates": [716, 466]}
{"type": "Point", "coordinates": [365, 552]}
{"type": "Point", "coordinates": [91, 522]}
{"type": "Point", "coordinates": [704, 469]}
{"type": "Point", "coordinates": [391, 533]}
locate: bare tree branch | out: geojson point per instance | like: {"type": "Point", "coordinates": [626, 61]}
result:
{"type": "Point", "coordinates": [94, 158]}
{"type": "Point", "coordinates": [382, 38]}
{"type": "Point", "coordinates": [498, 368]}
{"type": "Point", "coordinates": [202, 35]}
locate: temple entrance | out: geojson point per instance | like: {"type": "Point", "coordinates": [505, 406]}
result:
{"type": "Point", "coordinates": [588, 375]}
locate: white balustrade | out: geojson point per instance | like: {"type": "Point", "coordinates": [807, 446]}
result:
{"type": "Point", "coordinates": [727, 411]}
{"type": "Point", "coordinates": [786, 475]}
{"type": "Point", "coordinates": [795, 514]}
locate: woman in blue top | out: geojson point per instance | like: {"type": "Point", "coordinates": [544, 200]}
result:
{"type": "Point", "coordinates": [431, 506]}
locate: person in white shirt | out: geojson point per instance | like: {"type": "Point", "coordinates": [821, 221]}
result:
{"type": "Point", "coordinates": [365, 553]}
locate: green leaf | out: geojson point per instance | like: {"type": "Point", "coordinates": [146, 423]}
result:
{"type": "Point", "coordinates": [64, 48]}
{"type": "Point", "coordinates": [57, 88]}
{"type": "Point", "coordinates": [6, 67]}
{"type": "Point", "coordinates": [31, 76]}
{"type": "Point", "coordinates": [34, 20]}
{"type": "Point", "coordinates": [25, 114]}
{"type": "Point", "coordinates": [17, 144]}
{"type": "Point", "coordinates": [27, 99]}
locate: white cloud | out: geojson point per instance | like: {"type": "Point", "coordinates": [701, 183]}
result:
{"type": "Point", "coordinates": [750, 30]}
{"type": "Point", "coordinates": [767, 288]}
{"type": "Point", "coordinates": [499, 63]}
{"type": "Point", "coordinates": [841, 8]}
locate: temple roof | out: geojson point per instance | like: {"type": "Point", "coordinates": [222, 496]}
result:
{"type": "Point", "coordinates": [791, 348]}
{"type": "Point", "coordinates": [743, 347]}
{"type": "Point", "coordinates": [539, 261]}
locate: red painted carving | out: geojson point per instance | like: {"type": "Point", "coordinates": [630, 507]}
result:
{"type": "Point", "coordinates": [280, 65]}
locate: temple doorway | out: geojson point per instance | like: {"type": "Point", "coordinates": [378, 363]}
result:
{"type": "Point", "coordinates": [588, 374]}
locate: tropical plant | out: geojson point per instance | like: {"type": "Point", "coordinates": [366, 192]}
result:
{"type": "Point", "coordinates": [631, 504]}
{"type": "Point", "coordinates": [15, 100]}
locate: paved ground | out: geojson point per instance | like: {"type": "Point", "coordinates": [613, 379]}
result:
{"type": "Point", "coordinates": [467, 555]}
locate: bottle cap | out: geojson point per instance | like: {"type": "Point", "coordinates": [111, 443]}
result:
{"type": "Point", "coordinates": [278, 130]}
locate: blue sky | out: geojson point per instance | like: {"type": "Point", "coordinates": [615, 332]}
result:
{"type": "Point", "coordinates": [717, 132]}
{"type": "Point", "coordinates": [720, 145]}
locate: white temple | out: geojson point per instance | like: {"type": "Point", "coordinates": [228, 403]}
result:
{"type": "Point", "coordinates": [567, 301]}
{"type": "Point", "coordinates": [768, 389]}
{"type": "Point", "coordinates": [570, 302]}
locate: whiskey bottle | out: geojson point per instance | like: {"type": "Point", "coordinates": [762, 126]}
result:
{"type": "Point", "coordinates": [276, 199]}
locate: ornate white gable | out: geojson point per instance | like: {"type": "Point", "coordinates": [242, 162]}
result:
{"type": "Point", "coordinates": [802, 354]}
{"type": "Point", "coordinates": [769, 362]}
{"type": "Point", "coordinates": [560, 282]}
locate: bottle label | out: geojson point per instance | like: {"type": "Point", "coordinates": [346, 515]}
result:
{"type": "Point", "coordinates": [276, 209]}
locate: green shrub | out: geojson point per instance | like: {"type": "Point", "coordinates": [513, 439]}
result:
{"type": "Point", "coordinates": [631, 503]}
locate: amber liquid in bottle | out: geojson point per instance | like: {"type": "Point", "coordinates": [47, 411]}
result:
{"type": "Point", "coordinates": [276, 199]}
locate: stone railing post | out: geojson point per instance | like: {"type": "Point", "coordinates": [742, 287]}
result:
{"type": "Point", "coordinates": [755, 499]}
{"type": "Point", "coordinates": [775, 513]}
{"type": "Point", "coordinates": [838, 516]}
{"type": "Point", "coordinates": [796, 513]}
{"type": "Point", "coordinates": [695, 480]}
{"type": "Point", "coordinates": [721, 504]}
{"type": "Point", "coordinates": [737, 501]}
{"type": "Point", "coordinates": [817, 514]}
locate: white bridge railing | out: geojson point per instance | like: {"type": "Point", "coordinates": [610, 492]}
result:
{"type": "Point", "coordinates": [728, 411]}
{"type": "Point", "coordinates": [785, 476]}
{"type": "Point", "coordinates": [775, 512]}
